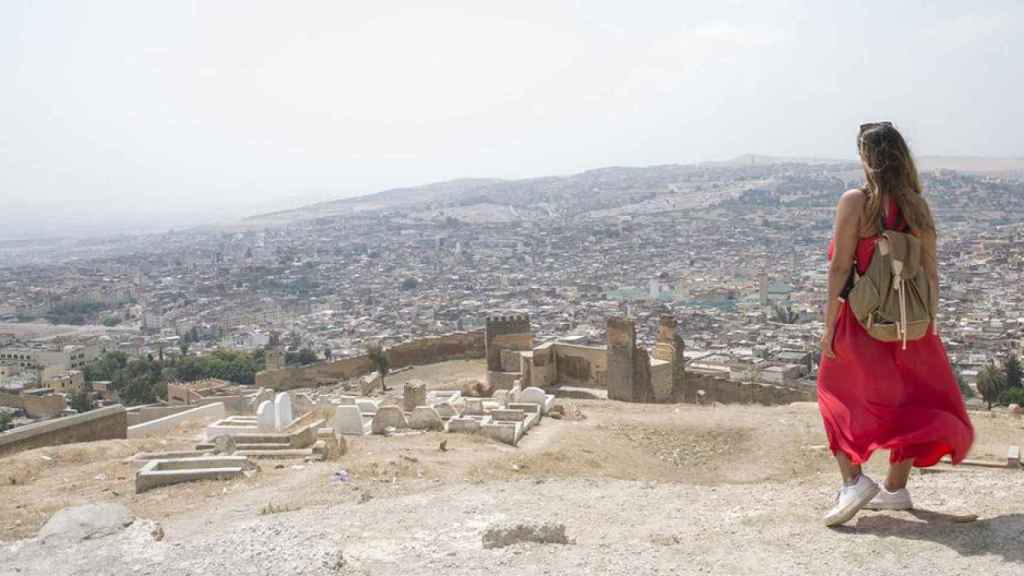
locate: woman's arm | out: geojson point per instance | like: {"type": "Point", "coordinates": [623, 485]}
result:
{"type": "Point", "coordinates": [845, 235]}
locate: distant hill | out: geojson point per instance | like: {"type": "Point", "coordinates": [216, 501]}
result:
{"type": "Point", "coordinates": [973, 165]}
{"type": "Point", "coordinates": [757, 159]}
{"type": "Point", "coordinates": [617, 191]}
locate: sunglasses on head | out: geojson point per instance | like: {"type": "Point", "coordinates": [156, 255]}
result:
{"type": "Point", "coordinates": [870, 125]}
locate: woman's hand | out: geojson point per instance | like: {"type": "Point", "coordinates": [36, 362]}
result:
{"type": "Point", "coordinates": [826, 343]}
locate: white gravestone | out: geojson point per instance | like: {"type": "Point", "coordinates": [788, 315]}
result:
{"type": "Point", "coordinates": [266, 417]}
{"type": "Point", "coordinates": [283, 411]}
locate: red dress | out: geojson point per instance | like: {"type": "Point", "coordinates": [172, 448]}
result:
{"type": "Point", "coordinates": [875, 395]}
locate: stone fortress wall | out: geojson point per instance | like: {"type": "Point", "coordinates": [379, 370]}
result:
{"type": "Point", "coordinates": [511, 333]}
{"type": "Point", "coordinates": [706, 388]}
{"type": "Point", "coordinates": [100, 424]}
{"type": "Point", "coordinates": [629, 372]}
{"type": "Point", "coordinates": [35, 406]}
{"type": "Point", "coordinates": [431, 350]}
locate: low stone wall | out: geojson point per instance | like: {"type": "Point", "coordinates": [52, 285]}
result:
{"type": "Point", "coordinates": [457, 346]}
{"type": "Point", "coordinates": [35, 406]}
{"type": "Point", "coordinates": [141, 414]}
{"type": "Point", "coordinates": [101, 424]}
{"type": "Point", "coordinates": [718, 388]}
{"type": "Point", "coordinates": [214, 411]}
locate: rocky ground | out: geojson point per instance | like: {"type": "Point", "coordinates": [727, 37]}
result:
{"type": "Point", "coordinates": [630, 489]}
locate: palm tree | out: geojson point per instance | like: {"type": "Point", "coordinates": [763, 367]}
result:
{"type": "Point", "coordinates": [991, 382]}
{"type": "Point", "coordinates": [379, 361]}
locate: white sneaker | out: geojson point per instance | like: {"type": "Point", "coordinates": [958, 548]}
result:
{"type": "Point", "coordinates": [850, 500]}
{"type": "Point", "coordinates": [885, 500]}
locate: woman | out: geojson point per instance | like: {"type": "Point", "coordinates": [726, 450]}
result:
{"type": "Point", "coordinates": [874, 394]}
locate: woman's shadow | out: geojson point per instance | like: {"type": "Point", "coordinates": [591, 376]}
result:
{"type": "Point", "coordinates": [997, 535]}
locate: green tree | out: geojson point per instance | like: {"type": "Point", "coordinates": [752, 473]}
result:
{"type": "Point", "coordinates": [144, 380]}
{"type": "Point", "coordinates": [1012, 396]}
{"type": "Point", "coordinates": [379, 361]}
{"type": "Point", "coordinates": [105, 366]}
{"type": "Point", "coordinates": [5, 420]}
{"type": "Point", "coordinates": [82, 401]}
{"type": "Point", "coordinates": [1013, 371]}
{"type": "Point", "coordinates": [991, 383]}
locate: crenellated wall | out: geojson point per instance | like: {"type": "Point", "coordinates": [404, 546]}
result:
{"type": "Point", "coordinates": [506, 333]}
{"type": "Point", "coordinates": [456, 346]}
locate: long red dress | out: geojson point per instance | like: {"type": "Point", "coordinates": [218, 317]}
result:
{"type": "Point", "coordinates": [875, 395]}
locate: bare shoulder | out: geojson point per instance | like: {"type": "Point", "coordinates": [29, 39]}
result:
{"type": "Point", "coordinates": [853, 198]}
{"type": "Point", "coordinates": [851, 204]}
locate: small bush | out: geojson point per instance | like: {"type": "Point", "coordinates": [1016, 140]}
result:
{"type": "Point", "coordinates": [1012, 396]}
{"type": "Point", "coordinates": [272, 508]}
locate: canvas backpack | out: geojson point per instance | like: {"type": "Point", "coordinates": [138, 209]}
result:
{"type": "Point", "coordinates": [892, 299]}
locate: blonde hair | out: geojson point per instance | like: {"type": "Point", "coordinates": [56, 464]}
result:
{"type": "Point", "coordinates": [889, 172]}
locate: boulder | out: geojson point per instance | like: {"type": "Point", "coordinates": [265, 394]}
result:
{"type": "Point", "coordinates": [224, 444]}
{"type": "Point", "coordinates": [86, 522]}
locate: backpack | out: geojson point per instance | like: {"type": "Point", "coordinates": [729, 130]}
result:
{"type": "Point", "coordinates": [892, 299]}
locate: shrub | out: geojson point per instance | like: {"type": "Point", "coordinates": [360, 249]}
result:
{"type": "Point", "coordinates": [1012, 396]}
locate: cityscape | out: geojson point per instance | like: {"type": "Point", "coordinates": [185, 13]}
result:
{"type": "Point", "coordinates": [511, 288]}
{"type": "Point", "coordinates": [735, 251]}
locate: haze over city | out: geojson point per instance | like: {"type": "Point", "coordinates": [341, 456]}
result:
{"type": "Point", "coordinates": [127, 116]}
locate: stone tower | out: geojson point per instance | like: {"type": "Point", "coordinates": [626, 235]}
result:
{"type": "Point", "coordinates": [670, 348]}
{"type": "Point", "coordinates": [629, 366]}
{"type": "Point", "coordinates": [506, 333]}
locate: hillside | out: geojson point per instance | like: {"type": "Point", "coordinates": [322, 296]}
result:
{"type": "Point", "coordinates": [625, 191]}
{"type": "Point", "coordinates": [614, 191]}
{"type": "Point", "coordinates": [639, 489]}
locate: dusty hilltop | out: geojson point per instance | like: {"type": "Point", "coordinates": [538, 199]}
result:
{"type": "Point", "coordinates": [607, 487]}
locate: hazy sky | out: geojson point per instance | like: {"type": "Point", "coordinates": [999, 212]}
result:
{"type": "Point", "coordinates": [116, 113]}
